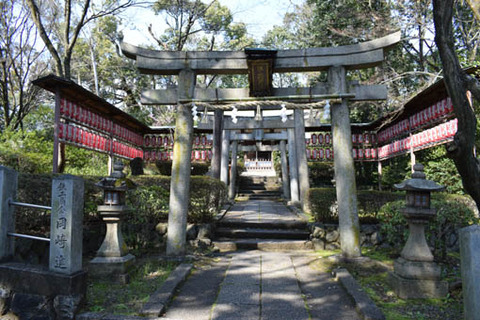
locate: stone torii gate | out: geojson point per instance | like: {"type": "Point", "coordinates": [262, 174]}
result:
{"type": "Point", "coordinates": [260, 65]}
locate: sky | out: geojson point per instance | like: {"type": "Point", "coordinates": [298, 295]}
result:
{"type": "Point", "coordinates": [259, 16]}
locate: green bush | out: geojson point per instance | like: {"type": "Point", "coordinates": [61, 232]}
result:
{"type": "Point", "coordinates": [320, 174]}
{"type": "Point", "coordinates": [207, 195]}
{"type": "Point", "coordinates": [322, 204]}
{"type": "Point", "coordinates": [149, 203]}
{"type": "Point", "coordinates": [393, 226]}
{"type": "Point", "coordinates": [198, 168]}
{"type": "Point", "coordinates": [164, 167]}
{"type": "Point", "coordinates": [24, 151]}
{"type": "Point", "coordinates": [370, 202]}
{"type": "Point", "coordinates": [452, 214]}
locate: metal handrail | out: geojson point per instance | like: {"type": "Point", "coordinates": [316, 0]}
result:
{"type": "Point", "coordinates": [28, 205]}
{"type": "Point", "coordinates": [26, 236]}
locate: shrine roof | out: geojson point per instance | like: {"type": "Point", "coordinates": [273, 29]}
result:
{"type": "Point", "coordinates": [421, 100]}
{"type": "Point", "coordinates": [76, 93]}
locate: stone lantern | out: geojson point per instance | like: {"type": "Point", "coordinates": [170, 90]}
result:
{"type": "Point", "coordinates": [112, 259]}
{"type": "Point", "coordinates": [415, 274]}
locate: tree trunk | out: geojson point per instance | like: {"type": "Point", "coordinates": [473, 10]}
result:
{"type": "Point", "coordinates": [462, 149]}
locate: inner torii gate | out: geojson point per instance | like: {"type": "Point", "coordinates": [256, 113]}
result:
{"type": "Point", "coordinates": [260, 65]}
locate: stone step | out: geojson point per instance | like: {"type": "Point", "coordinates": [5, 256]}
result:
{"type": "Point", "coordinates": [277, 224]}
{"type": "Point", "coordinates": [227, 245]}
{"type": "Point", "coordinates": [256, 233]}
{"type": "Point", "coordinates": [260, 192]}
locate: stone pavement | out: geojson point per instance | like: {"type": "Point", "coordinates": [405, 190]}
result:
{"type": "Point", "coordinates": [261, 211]}
{"type": "Point", "coordinates": [261, 285]}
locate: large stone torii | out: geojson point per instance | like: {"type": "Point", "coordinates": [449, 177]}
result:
{"type": "Point", "coordinates": [335, 60]}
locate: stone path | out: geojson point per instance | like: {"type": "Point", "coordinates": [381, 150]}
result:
{"type": "Point", "coordinates": [260, 211]}
{"type": "Point", "coordinates": [261, 285]}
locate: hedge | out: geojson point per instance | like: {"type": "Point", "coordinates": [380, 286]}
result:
{"type": "Point", "coordinates": [198, 168]}
{"type": "Point", "coordinates": [452, 213]}
{"type": "Point", "coordinates": [149, 203]}
{"type": "Point", "coordinates": [322, 204]}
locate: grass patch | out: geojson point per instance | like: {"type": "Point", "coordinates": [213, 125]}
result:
{"type": "Point", "coordinates": [108, 297]}
{"type": "Point", "coordinates": [372, 277]}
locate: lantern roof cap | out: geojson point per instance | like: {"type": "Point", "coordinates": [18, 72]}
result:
{"type": "Point", "coordinates": [418, 182]}
{"type": "Point", "coordinates": [117, 180]}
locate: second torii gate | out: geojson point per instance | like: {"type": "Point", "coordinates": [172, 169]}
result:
{"type": "Point", "coordinates": [260, 65]}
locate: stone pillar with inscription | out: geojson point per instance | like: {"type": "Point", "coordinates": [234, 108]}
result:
{"type": "Point", "coordinates": [66, 225]}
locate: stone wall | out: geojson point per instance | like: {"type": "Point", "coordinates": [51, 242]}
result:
{"type": "Point", "coordinates": [327, 237]}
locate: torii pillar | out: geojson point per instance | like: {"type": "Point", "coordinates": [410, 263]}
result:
{"type": "Point", "coordinates": [181, 164]}
{"type": "Point", "coordinates": [346, 188]}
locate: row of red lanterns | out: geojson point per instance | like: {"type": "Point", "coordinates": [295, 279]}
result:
{"type": "Point", "coordinates": [420, 140]}
{"type": "Point", "coordinates": [158, 155]}
{"type": "Point", "coordinates": [73, 111]}
{"type": "Point", "coordinates": [202, 155]}
{"type": "Point", "coordinates": [319, 138]}
{"type": "Point", "coordinates": [391, 132]}
{"type": "Point", "coordinates": [90, 140]}
{"type": "Point", "coordinates": [156, 140]}
{"type": "Point", "coordinates": [433, 112]}
{"type": "Point", "coordinates": [427, 115]}
{"type": "Point", "coordinates": [365, 138]}
{"type": "Point", "coordinates": [319, 154]}
{"type": "Point", "coordinates": [197, 155]}
{"type": "Point", "coordinates": [368, 153]}
{"type": "Point", "coordinates": [434, 135]}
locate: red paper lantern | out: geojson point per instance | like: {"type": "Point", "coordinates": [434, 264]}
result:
{"type": "Point", "coordinates": [69, 132]}
{"type": "Point", "coordinates": [355, 153]}
{"type": "Point", "coordinates": [63, 106]}
{"type": "Point", "coordinates": [321, 154]}
{"type": "Point", "coordinates": [78, 137]}
{"type": "Point", "coordinates": [153, 141]}
{"type": "Point", "coordinates": [61, 130]}
{"type": "Point", "coordinates": [327, 138]}
{"type": "Point", "coordinates": [366, 138]}
{"type": "Point", "coordinates": [354, 138]}
{"type": "Point", "coordinates": [360, 154]}
{"type": "Point", "coordinates": [449, 105]}
{"type": "Point", "coordinates": [320, 138]}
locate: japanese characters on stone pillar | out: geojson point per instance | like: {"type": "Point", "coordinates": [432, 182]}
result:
{"type": "Point", "coordinates": [66, 225]}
